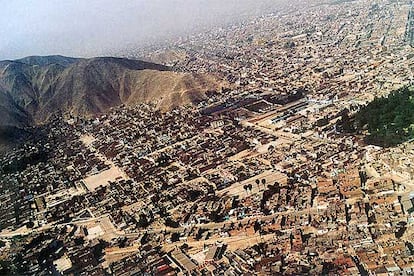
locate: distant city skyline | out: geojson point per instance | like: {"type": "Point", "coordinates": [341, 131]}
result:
{"type": "Point", "coordinates": [89, 28]}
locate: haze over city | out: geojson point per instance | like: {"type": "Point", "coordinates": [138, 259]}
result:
{"type": "Point", "coordinates": [96, 27]}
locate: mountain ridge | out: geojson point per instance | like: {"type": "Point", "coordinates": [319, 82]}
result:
{"type": "Point", "coordinates": [34, 88]}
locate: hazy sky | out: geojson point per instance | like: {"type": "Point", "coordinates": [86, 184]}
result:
{"type": "Point", "coordinates": [93, 27]}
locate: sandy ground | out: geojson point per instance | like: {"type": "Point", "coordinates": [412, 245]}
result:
{"type": "Point", "coordinates": [94, 232]}
{"type": "Point", "coordinates": [87, 139]}
{"type": "Point", "coordinates": [101, 227]}
{"type": "Point", "coordinates": [113, 254]}
{"type": "Point", "coordinates": [233, 243]}
{"type": "Point", "coordinates": [237, 188]}
{"type": "Point", "coordinates": [102, 178]}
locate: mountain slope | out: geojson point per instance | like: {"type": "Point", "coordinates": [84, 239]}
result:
{"type": "Point", "coordinates": [34, 88]}
{"type": "Point", "coordinates": [48, 60]}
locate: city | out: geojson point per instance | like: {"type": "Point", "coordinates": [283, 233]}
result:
{"type": "Point", "coordinates": [258, 178]}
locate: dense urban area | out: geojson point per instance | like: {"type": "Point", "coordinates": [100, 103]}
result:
{"type": "Point", "coordinates": [264, 177]}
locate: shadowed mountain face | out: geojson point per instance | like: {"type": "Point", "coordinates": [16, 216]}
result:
{"type": "Point", "coordinates": [32, 89]}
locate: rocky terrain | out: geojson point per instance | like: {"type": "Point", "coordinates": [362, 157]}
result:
{"type": "Point", "coordinates": [33, 89]}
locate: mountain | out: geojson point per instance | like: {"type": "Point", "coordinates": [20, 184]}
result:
{"type": "Point", "coordinates": [34, 88]}
{"type": "Point", "coordinates": [48, 60]}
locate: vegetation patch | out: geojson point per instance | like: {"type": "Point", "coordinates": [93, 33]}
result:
{"type": "Point", "coordinates": [389, 120]}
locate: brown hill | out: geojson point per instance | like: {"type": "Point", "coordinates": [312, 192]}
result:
{"type": "Point", "coordinates": [34, 88]}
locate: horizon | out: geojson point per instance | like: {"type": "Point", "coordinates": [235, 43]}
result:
{"type": "Point", "coordinates": [95, 28]}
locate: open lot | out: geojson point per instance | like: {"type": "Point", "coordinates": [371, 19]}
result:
{"type": "Point", "coordinates": [102, 178]}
